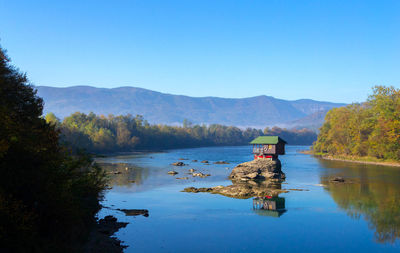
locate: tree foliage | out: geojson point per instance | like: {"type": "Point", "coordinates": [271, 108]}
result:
{"type": "Point", "coordinates": [48, 199]}
{"type": "Point", "coordinates": [371, 129]}
{"type": "Point", "coordinates": [100, 134]}
{"type": "Point", "coordinates": [127, 133]}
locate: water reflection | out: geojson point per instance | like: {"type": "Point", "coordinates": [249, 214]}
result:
{"type": "Point", "coordinates": [205, 222]}
{"type": "Point", "coordinates": [269, 206]}
{"type": "Point", "coordinates": [125, 174]}
{"type": "Point", "coordinates": [369, 192]}
{"type": "Point", "coordinates": [250, 188]}
{"type": "Point", "coordinates": [265, 194]}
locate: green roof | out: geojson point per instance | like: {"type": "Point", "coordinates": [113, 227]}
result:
{"type": "Point", "coordinates": [267, 140]}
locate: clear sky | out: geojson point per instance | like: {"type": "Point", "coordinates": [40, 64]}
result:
{"type": "Point", "coordinates": [323, 50]}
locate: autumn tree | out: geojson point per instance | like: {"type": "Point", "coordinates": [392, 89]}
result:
{"type": "Point", "coordinates": [368, 129]}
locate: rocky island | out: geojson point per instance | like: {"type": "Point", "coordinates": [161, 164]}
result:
{"type": "Point", "coordinates": [259, 169]}
{"type": "Point", "coordinates": [257, 178]}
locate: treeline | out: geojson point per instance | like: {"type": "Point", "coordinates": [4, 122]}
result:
{"type": "Point", "coordinates": [97, 133]}
{"type": "Point", "coordinates": [48, 198]}
{"type": "Point", "coordinates": [370, 129]}
{"type": "Point", "coordinates": [101, 134]}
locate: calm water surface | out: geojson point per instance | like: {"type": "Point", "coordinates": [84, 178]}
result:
{"type": "Point", "coordinates": [361, 216]}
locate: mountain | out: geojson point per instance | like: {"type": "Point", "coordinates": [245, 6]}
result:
{"type": "Point", "coordinates": [156, 107]}
{"type": "Point", "coordinates": [313, 121]}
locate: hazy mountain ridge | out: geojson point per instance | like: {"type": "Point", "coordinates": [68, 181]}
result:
{"type": "Point", "coordinates": [157, 107]}
{"type": "Point", "coordinates": [312, 121]}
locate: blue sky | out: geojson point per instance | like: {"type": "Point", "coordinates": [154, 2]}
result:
{"type": "Point", "coordinates": [323, 50]}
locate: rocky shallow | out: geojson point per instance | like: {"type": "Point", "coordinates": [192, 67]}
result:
{"type": "Point", "coordinates": [243, 190]}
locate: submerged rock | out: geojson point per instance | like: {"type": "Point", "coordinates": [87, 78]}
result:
{"type": "Point", "coordinates": [178, 164]}
{"type": "Point", "coordinates": [337, 180]}
{"type": "Point", "coordinates": [205, 161]}
{"type": "Point", "coordinates": [221, 162]}
{"type": "Point", "coordinates": [135, 212]}
{"type": "Point", "coordinates": [196, 190]}
{"type": "Point", "coordinates": [199, 174]}
{"type": "Point", "coordinates": [184, 178]}
{"type": "Point", "coordinates": [259, 169]}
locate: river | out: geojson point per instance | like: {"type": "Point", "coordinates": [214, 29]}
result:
{"type": "Point", "coordinates": [317, 215]}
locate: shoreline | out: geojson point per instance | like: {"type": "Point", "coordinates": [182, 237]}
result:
{"type": "Point", "coordinates": [351, 160]}
{"type": "Point", "coordinates": [102, 237]}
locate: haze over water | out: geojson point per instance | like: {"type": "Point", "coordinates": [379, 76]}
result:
{"type": "Point", "coordinates": [360, 216]}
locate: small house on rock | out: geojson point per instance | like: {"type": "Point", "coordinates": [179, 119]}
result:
{"type": "Point", "coordinates": [268, 147]}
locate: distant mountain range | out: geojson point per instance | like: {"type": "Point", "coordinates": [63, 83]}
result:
{"type": "Point", "coordinates": [157, 107]}
{"type": "Point", "coordinates": [313, 121]}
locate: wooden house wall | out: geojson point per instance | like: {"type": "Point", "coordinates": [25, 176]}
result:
{"type": "Point", "coordinates": [280, 148]}
{"type": "Point", "coordinates": [270, 151]}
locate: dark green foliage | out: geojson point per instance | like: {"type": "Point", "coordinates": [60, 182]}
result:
{"type": "Point", "coordinates": [48, 199]}
{"type": "Point", "coordinates": [371, 129]}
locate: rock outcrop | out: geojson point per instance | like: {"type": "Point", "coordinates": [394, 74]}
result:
{"type": "Point", "coordinates": [258, 178]}
{"type": "Point", "coordinates": [259, 169]}
{"type": "Point", "coordinates": [101, 237]}
{"type": "Point", "coordinates": [243, 190]}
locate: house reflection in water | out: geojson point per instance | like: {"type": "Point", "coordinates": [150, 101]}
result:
{"type": "Point", "coordinates": [269, 206]}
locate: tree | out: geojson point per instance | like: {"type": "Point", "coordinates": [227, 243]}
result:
{"type": "Point", "coordinates": [52, 119]}
{"type": "Point", "coordinates": [368, 129]}
{"type": "Point", "coordinates": [123, 135]}
{"type": "Point", "coordinates": [187, 123]}
{"type": "Point", "coordinates": [48, 198]}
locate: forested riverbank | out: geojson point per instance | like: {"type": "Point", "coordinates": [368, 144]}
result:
{"type": "Point", "coordinates": [367, 132]}
{"type": "Point", "coordinates": [126, 133]}
{"type": "Point", "coordinates": [48, 197]}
